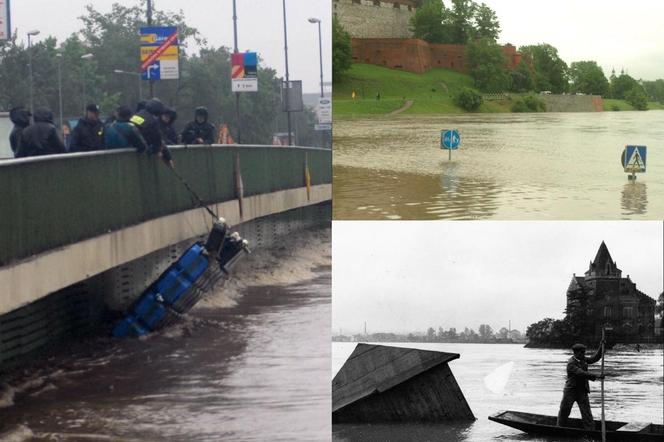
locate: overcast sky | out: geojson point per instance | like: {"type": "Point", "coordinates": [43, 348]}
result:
{"type": "Point", "coordinates": [616, 34]}
{"type": "Point", "coordinates": [260, 27]}
{"type": "Point", "coordinates": [411, 275]}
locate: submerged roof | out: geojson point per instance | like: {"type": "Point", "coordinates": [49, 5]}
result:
{"type": "Point", "coordinates": [377, 368]}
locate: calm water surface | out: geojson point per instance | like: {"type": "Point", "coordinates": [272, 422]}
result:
{"type": "Point", "coordinates": [257, 371]}
{"type": "Point", "coordinates": [634, 389]}
{"type": "Point", "coordinates": [509, 166]}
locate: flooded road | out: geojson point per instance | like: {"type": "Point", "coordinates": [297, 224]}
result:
{"type": "Point", "coordinates": [509, 166]}
{"type": "Point", "coordinates": [633, 391]}
{"type": "Point", "coordinates": [249, 363]}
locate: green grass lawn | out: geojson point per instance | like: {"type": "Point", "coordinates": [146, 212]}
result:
{"type": "Point", "coordinates": [611, 104]}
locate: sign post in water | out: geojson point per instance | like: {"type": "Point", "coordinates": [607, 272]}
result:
{"type": "Point", "coordinates": [450, 140]}
{"type": "Point", "coordinates": [634, 160]}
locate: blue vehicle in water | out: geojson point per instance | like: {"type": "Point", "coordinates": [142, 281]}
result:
{"type": "Point", "coordinates": [184, 282]}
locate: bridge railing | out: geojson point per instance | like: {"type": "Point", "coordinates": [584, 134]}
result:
{"type": "Point", "coordinates": [52, 201]}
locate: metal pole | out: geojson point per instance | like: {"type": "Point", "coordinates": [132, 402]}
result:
{"type": "Point", "coordinates": [237, 94]}
{"type": "Point", "coordinates": [320, 51]}
{"type": "Point", "coordinates": [149, 20]}
{"type": "Point", "coordinates": [84, 91]}
{"type": "Point", "coordinates": [449, 158]}
{"type": "Point", "coordinates": [32, 102]}
{"type": "Point", "coordinates": [602, 381]}
{"type": "Point", "coordinates": [60, 88]}
{"type": "Point", "coordinates": [140, 87]}
{"type": "Point", "coordinates": [288, 114]}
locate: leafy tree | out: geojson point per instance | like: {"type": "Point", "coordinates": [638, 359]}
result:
{"type": "Point", "coordinates": [637, 97]}
{"type": "Point", "coordinates": [486, 23]}
{"type": "Point", "coordinates": [587, 77]}
{"type": "Point", "coordinates": [622, 84]}
{"type": "Point", "coordinates": [428, 22]}
{"type": "Point", "coordinates": [486, 63]}
{"type": "Point", "coordinates": [486, 332]}
{"type": "Point", "coordinates": [431, 334]}
{"type": "Point", "coordinates": [550, 69]}
{"type": "Point", "coordinates": [468, 99]}
{"type": "Point", "coordinates": [655, 90]}
{"type": "Point", "coordinates": [342, 53]}
{"type": "Point", "coordinates": [521, 78]}
{"type": "Point", "coordinates": [461, 24]}
{"type": "Point", "coordinates": [529, 103]}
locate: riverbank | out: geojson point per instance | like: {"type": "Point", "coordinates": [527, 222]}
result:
{"type": "Point", "coordinates": [382, 92]}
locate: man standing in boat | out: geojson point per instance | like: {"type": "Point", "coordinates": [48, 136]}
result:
{"type": "Point", "coordinates": [576, 386]}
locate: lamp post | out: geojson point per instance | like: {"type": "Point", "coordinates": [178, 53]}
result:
{"type": "Point", "coordinates": [32, 99]}
{"type": "Point", "coordinates": [288, 113]}
{"type": "Point", "coordinates": [320, 53]}
{"type": "Point", "coordinates": [85, 57]}
{"type": "Point", "coordinates": [59, 56]}
{"type": "Point", "coordinates": [140, 81]}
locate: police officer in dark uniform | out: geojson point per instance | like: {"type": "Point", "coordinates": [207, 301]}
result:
{"type": "Point", "coordinates": [147, 122]}
{"type": "Point", "coordinates": [40, 138]}
{"type": "Point", "coordinates": [20, 116]}
{"type": "Point", "coordinates": [88, 134]}
{"type": "Point", "coordinates": [576, 386]}
{"type": "Point", "coordinates": [166, 121]}
{"type": "Point", "coordinates": [199, 131]}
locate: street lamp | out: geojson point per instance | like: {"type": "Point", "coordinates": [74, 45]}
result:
{"type": "Point", "coordinates": [140, 80]}
{"type": "Point", "coordinates": [288, 112]}
{"type": "Point", "coordinates": [32, 99]}
{"type": "Point", "coordinates": [320, 51]}
{"type": "Point", "coordinates": [59, 56]}
{"type": "Point", "coordinates": [85, 57]}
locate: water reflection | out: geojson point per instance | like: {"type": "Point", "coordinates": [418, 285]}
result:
{"type": "Point", "coordinates": [546, 166]}
{"type": "Point", "coordinates": [634, 198]}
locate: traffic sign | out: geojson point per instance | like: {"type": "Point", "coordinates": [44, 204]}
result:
{"type": "Point", "coordinates": [634, 159]}
{"type": "Point", "coordinates": [322, 127]}
{"type": "Point", "coordinates": [160, 53]}
{"type": "Point", "coordinates": [450, 139]}
{"type": "Point", "coordinates": [324, 111]}
{"type": "Point", "coordinates": [244, 72]}
{"type": "Point", "coordinates": [5, 21]}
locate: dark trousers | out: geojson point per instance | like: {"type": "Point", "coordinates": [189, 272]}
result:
{"type": "Point", "coordinates": [581, 398]}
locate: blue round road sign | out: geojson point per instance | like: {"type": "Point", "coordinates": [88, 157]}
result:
{"type": "Point", "coordinates": [450, 139]}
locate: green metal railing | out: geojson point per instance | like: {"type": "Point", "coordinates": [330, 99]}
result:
{"type": "Point", "coordinates": [52, 201]}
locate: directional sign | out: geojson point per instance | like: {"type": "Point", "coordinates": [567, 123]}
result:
{"type": "Point", "coordinates": [634, 159]}
{"type": "Point", "coordinates": [450, 139]}
{"type": "Point", "coordinates": [322, 127]}
{"type": "Point", "coordinates": [5, 21]}
{"type": "Point", "coordinates": [244, 72]}
{"type": "Point", "coordinates": [160, 53]}
{"type": "Point", "coordinates": [324, 111]}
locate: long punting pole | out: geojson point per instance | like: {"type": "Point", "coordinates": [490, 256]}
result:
{"type": "Point", "coordinates": [602, 381]}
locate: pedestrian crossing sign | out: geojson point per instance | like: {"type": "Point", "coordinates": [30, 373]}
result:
{"type": "Point", "coordinates": [634, 159]}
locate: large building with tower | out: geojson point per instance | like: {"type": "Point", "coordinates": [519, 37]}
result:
{"type": "Point", "coordinates": [608, 298]}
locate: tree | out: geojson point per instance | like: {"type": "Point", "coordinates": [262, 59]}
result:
{"type": "Point", "coordinates": [622, 84]}
{"type": "Point", "coordinates": [486, 332]}
{"type": "Point", "coordinates": [468, 99]}
{"type": "Point", "coordinates": [428, 22]}
{"type": "Point", "coordinates": [461, 24]}
{"type": "Point", "coordinates": [503, 333]}
{"type": "Point", "coordinates": [655, 90]}
{"type": "Point", "coordinates": [587, 77]}
{"type": "Point", "coordinates": [486, 23]}
{"type": "Point", "coordinates": [452, 333]}
{"type": "Point", "coordinates": [550, 69]}
{"type": "Point", "coordinates": [342, 52]}
{"type": "Point", "coordinates": [521, 78]}
{"type": "Point", "coordinates": [486, 64]}
{"type": "Point", "coordinates": [431, 334]}
{"type": "Point", "coordinates": [637, 97]}
{"type": "Point", "coordinates": [659, 307]}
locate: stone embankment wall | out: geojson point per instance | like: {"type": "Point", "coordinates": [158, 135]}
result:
{"type": "Point", "coordinates": [573, 103]}
{"type": "Point", "coordinates": [375, 19]}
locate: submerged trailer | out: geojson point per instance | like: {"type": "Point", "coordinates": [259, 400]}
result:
{"type": "Point", "coordinates": [381, 383]}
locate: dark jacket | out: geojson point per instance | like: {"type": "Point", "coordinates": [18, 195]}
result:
{"type": "Point", "coordinates": [168, 132]}
{"type": "Point", "coordinates": [577, 373]}
{"type": "Point", "coordinates": [87, 135]}
{"type": "Point", "coordinates": [146, 120]}
{"type": "Point", "coordinates": [194, 131]}
{"type": "Point", "coordinates": [21, 119]}
{"type": "Point", "coordinates": [41, 138]}
{"type": "Point", "coordinates": [122, 134]}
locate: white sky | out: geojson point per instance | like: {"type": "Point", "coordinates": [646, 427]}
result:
{"type": "Point", "coordinates": [411, 275]}
{"type": "Point", "coordinates": [260, 28]}
{"type": "Point", "coordinates": [616, 34]}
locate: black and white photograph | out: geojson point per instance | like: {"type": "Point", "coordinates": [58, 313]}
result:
{"type": "Point", "coordinates": [477, 331]}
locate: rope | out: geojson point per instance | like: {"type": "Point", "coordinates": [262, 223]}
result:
{"type": "Point", "coordinates": [194, 194]}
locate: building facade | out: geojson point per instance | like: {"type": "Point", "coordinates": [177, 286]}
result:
{"type": "Point", "coordinates": [375, 18]}
{"type": "Point", "coordinates": [604, 297]}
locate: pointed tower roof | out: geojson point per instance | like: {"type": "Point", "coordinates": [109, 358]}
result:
{"type": "Point", "coordinates": [603, 256]}
{"type": "Point", "coordinates": [603, 264]}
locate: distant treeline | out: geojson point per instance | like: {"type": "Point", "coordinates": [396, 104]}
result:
{"type": "Point", "coordinates": [485, 334]}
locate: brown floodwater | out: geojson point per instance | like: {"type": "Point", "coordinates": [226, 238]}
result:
{"type": "Point", "coordinates": [250, 363]}
{"type": "Point", "coordinates": [509, 166]}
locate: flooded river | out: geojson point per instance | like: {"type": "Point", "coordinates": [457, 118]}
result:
{"type": "Point", "coordinates": [509, 166]}
{"type": "Point", "coordinates": [634, 389]}
{"type": "Point", "coordinates": [249, 363]}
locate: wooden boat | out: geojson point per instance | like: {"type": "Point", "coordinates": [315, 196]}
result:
{"type": "Point", "coordinates": [541, 425]}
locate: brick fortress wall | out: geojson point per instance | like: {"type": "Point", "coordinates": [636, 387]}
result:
{"type": "Point", "coordinates": [418, 56]}
{"type": "Point", "coordinates": [375, 18]}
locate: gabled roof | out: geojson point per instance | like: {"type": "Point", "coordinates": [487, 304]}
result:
{"type": "Point", "coordinates": [378, 368]}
